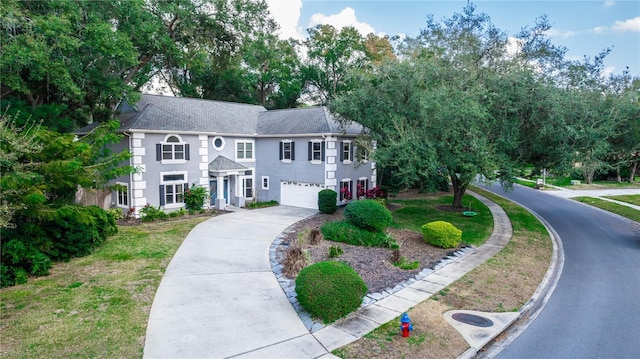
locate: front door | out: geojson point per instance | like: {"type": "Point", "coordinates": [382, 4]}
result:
{"type": "Point", "coordinates": [213, 184]}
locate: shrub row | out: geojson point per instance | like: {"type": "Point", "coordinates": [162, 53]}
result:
{"type": "Point", "coordinates": [31, 247]}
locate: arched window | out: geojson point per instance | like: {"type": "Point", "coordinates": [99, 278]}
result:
{"type": "Point", "coordinates": [172, 149]}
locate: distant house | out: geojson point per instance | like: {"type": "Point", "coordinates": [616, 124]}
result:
{"type": "Point", "coordinates": [240, 153]}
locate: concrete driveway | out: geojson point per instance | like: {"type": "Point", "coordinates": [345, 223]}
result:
{"type": "Point", "coordinates": [219, 297]}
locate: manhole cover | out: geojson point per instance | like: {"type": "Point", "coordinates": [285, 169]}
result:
{"type": "Point", "coordinates": [472, 319]}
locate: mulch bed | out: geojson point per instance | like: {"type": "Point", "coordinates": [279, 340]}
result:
{"type": "Point", "coordinates": [373, 264]}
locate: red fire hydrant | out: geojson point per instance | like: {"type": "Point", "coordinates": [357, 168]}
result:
{"type": "Point", "coordinates": [405, 325]}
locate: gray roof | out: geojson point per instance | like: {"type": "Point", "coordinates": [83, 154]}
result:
{"type": "Point", "coordinates": [182, 114]}
{"type": "Point", "coordinates": [166, 113]}
{"type": "Point", "coordinates": [298, 121]}
{"type": "Point", "coordinates": [223, 164]}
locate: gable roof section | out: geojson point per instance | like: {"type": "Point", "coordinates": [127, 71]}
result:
{"type": "Point", "coordinates": [221, 164]}
{"type": "Point", "coordinates": [300, 121]}
{"type": "Point", "coordinates": [182, 114]}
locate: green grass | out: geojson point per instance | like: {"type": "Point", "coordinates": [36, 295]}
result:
{"type": "Point", "coordinates": [416, 212]}
{"type": "Point", "coordinates": [566, 182]}
{"type": "Point", "coordinates": [631, 198]}
{"type": "Point", "coordinates": [95, 306]}
{"type": "Point", "coordinates": [526, 183]}
{"type": "Point", "coordinates": [624, 211]}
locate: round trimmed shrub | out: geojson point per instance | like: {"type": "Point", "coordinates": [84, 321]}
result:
{"type": "Point", "coordinates": [327, 201]}
{"type": "Point", "coordinates": [368, 214]}
{"type": "Point", "coordinates": [330, 290]}
{"type": "Point", "coordinates": [441, 234]}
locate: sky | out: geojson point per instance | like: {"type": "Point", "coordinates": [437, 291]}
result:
{"type": "Point", "coordinates": [584, 27]}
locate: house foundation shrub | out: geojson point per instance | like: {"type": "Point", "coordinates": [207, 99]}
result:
{"type": "Point", "coordinates": [368, 214]}
{"type": "Point", "coordinates": [330, 290]}
{"type": "Point", "coordinates": [441, 234]}
{"type": "Point", "coordinates": [327, 201]}
{"type": "Point", "coordinates": [195, 197]}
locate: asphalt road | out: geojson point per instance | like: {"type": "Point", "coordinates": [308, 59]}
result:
{"type": "Point", "coordinates": [594, 311]}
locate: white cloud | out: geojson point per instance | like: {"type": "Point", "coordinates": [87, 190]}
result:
{"type": "Point", "coordinates": [287, 14]}
{"type": "Point", "coordinates": [561, 34]}
{"type": "Point", "coordinates": [609, 3]}
{"type": "Point", "coordinates": [629, 25]}
{"type": "Point", "coordinates": [632, 25]}
{"type": "Point", "coordinates": [609, 70]}
{"type": "Point", "coordinates": [346, 17]}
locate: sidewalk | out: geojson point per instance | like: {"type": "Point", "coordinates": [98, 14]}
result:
{"type": "Point", "coordinates": [219, 297]}
{"type": "Point", "coordinates": [595, 193]}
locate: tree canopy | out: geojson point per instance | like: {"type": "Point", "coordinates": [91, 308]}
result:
{"type": "Point", "coordinates": [459, 103]}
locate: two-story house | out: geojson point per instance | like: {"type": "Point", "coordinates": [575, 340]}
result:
{"type": "Point", "coordinates": [239, 152]}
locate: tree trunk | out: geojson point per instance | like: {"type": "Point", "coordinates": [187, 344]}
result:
{"type": "Point", "coordinates": [459, 189]}
{"type": "Point", "coordinates": [634, 168]}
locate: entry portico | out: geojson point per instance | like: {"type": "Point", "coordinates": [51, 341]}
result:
{"type": "Point", "coordinates": [226, 173]}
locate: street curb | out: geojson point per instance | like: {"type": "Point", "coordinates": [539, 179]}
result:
{"type": "Point", "coordinates": [530, 311]}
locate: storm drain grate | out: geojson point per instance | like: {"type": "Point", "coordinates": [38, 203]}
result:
{"type": "Point", "coordinates": [473, 319]}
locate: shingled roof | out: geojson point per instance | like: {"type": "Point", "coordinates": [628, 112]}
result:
{"type": "Point", "coordinates": [222, 164]}
{"type": "Point", "coordinates": [165, 113]}
{"type": "Point", "coordinates": [182, 114]}
{"type": "Point", "coordinates": [300, 121]}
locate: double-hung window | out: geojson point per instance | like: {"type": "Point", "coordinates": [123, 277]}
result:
{"type": "Point", "coordinates": [172, 188]}
{"type": "Point", "coordinates": [123, 195]}
{"type": "Point", "coordinates": [316, 151]}
{"type": "Point", "coordinates": [346, 152]}
{"type": "Point", "coordinates": [362, 187]}
{"type": "Point", "coordinates": [172, 150]}
{"type": "Point", "coordinates": [287, 151]}
{"type": "Point", "coordinates": [248, 187]}
{"type": "Point", "coordinates": [346, 193]}
{"type": "Point", "coordinates": [244, 150]}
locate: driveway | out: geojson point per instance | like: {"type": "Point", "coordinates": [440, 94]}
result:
{"type": "Point", "coordinates": [594, 311]}
{"type": "Point", "coordinates": [219, 297]}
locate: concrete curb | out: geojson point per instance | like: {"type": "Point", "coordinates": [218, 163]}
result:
{"type": "Point", "coordinates": [530, 311]}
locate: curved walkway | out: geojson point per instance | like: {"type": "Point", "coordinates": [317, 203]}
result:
{"type": "Point", "coordinates": [220, 299]}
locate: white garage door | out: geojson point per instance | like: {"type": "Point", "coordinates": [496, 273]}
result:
{"type": "Point", "coordinates": [300, 194]}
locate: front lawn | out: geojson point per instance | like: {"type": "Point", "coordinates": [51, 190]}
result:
{"type": "Point", "coordinates": [95, 306]}
{"type": "Point", "coordinates": [418, 211]}
{"type": "Point", "coordinates": [624, 211]}
{"type": "Point", "coordinates": [503, 283]}
{"type": "Point", "coordinates": [631, 198]}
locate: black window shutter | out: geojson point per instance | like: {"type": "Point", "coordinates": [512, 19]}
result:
{"type": "Point", "coordinates": [341, 151]}
{"type": "Point", "coordinates": [281, 146]}
{"type": "Point", "coordinates": [186, 152]}
{"type": "Point", "coordinates": [351, 152]}
{"type": "Point", "coordinates": [158, 152]}
{"type": "Point", "coordinates": [322, 152]}
{"type": "Point", "coordinates": [310, 151]}
{"type": "Point", "coordinates": [293, 151]}
{"type": "Point", "coordinates": [161, 195]}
